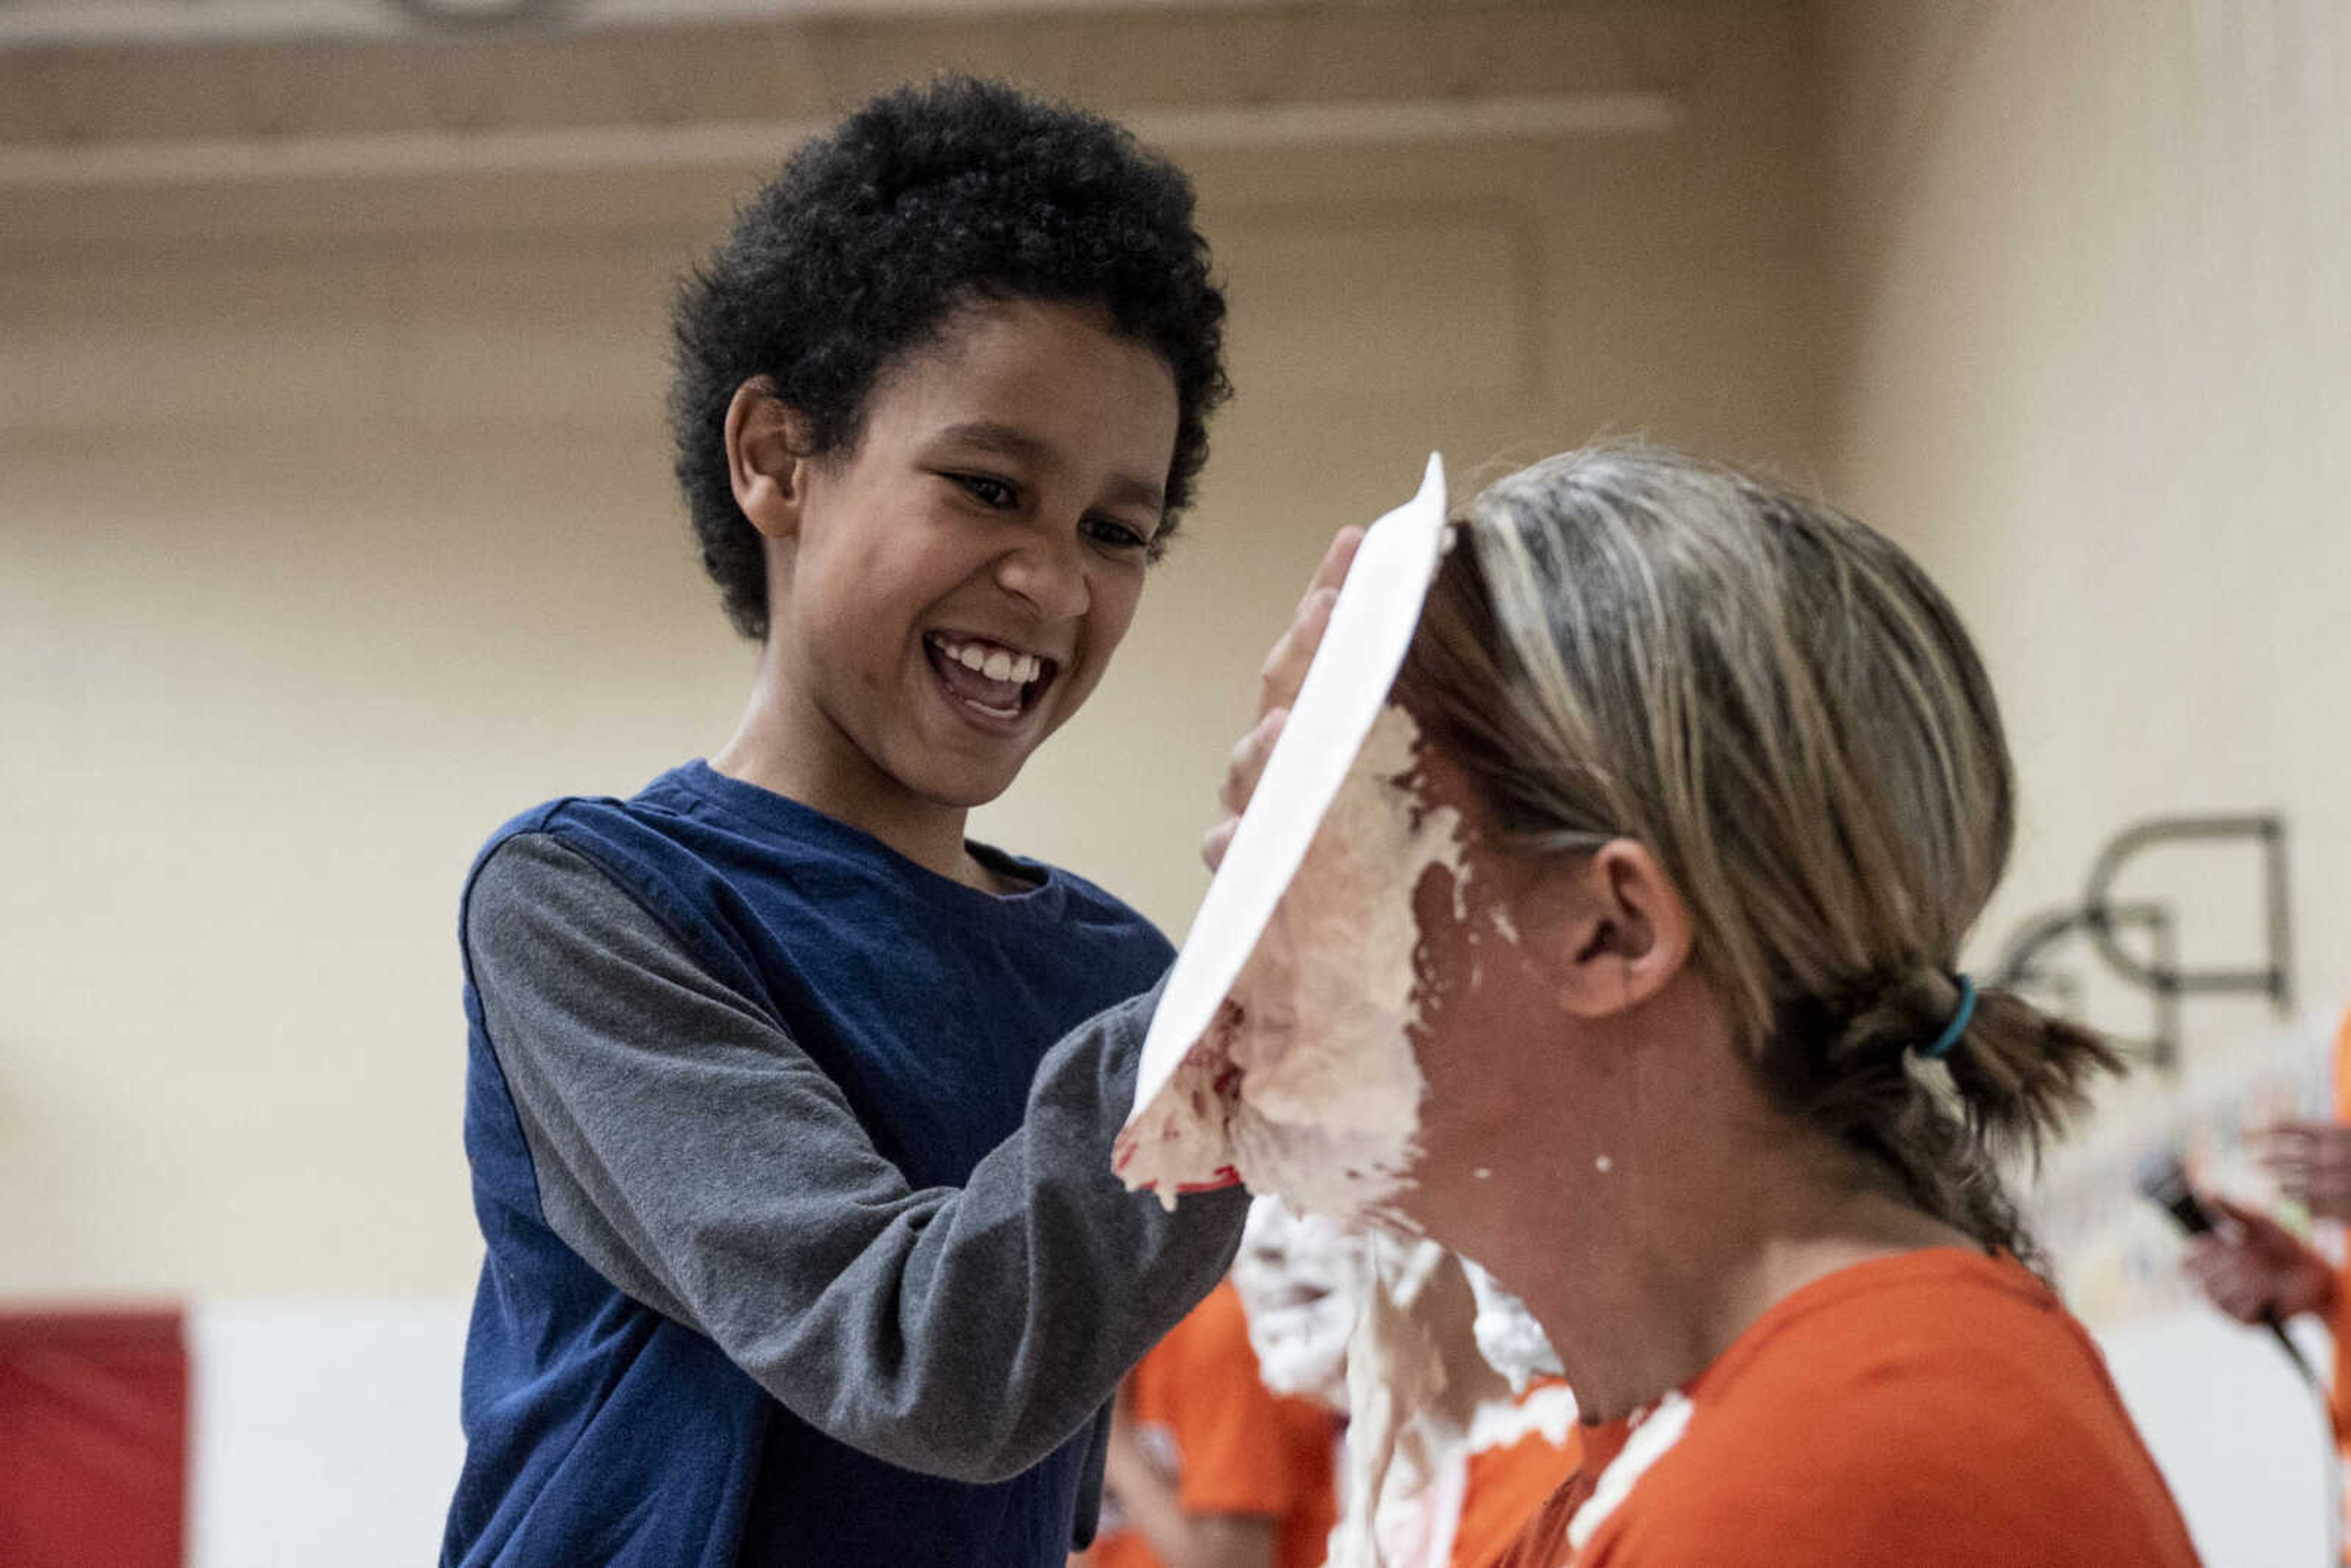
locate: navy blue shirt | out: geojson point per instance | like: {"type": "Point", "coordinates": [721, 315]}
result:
{"type": "Point", "coordinates": [623, 1152]}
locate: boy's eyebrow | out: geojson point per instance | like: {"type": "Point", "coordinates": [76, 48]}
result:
{"type": "Point", "coordinates": [988, 435]}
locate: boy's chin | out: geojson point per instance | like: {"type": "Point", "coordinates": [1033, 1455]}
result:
{"type": "Point", "coordinates": [948, 778]}
{"type": "Point", "coordinates": [965, 789]}
{"type": "Point", "coordinates": [969, 799]}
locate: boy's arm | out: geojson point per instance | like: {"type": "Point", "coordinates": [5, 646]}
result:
{"type": "Point", "coordinates": [702, 1162]}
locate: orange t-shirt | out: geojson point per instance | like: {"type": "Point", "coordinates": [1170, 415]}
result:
{"type": "Point", "coordinates": [1506, 1483]}
{"type": "Point", "coordinates": [1935, 1408]}
{"type": "Point", "coordinates": [1232, 1447]}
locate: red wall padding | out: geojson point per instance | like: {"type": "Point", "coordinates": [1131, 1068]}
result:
{"type": "Point", "coordinates": [93, 1440]}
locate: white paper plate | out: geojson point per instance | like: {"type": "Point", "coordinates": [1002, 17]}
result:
{"type": "Point", "coordinates": [1371, 628]}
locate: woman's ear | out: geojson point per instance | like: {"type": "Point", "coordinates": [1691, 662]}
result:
{"type": "Point", "coordinates": [1624, 933]}
{"type": "Point", "coordinates": [766, 458]}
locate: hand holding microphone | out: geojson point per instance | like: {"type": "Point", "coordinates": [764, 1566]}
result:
{"type": "Point", "coordinates": [2260, 1273]}
{"type": "Point", "coordinates": [2247, 1264]}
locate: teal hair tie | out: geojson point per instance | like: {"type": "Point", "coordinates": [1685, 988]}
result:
{"type": "Point", "coordinates": [1960, 1017]}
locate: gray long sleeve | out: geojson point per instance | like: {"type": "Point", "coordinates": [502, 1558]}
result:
{"type": "Point", "coordinates": [696, 1157]}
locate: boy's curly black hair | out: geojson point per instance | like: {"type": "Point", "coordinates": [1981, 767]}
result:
{"type": "Point", "coordinates": [927, 199]}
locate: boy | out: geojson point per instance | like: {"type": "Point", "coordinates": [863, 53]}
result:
{"type": "Point", "coordinates": [795, 1252]}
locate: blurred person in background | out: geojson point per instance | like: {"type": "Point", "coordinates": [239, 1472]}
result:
{"type": "Point", "coordinates": [1208, 1467]}
{"type": "Point", "coordinates": [1499, 1440]}
{"type": "Point", "coordinates": [2257, 1271]}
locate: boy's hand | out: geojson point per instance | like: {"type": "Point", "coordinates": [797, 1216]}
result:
{"type": "Point", "coordinates": [2311, 1163]}
{"type": "Point", "coordinates": [2255, 1269]}
{"type": "Point", "coordinates": [1278, 682]}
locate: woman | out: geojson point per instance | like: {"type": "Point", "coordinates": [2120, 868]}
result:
{"type": "Point", "coordinates": [1704, 1085]}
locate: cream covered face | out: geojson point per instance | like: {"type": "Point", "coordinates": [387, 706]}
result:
{"type": "Point", "coordinates": [1306, 1085]}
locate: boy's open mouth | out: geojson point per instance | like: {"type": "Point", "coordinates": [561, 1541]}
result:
{"type": "Point", "coordinates": [996, 681]}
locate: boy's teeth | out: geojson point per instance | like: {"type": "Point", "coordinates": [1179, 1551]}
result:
{"type": "Point", "coordinates": [996, 664]}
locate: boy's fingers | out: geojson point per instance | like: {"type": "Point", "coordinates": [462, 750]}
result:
{"type": "Point", "coordinates": [1284, 670]}
{"type": "Point", "coordinates": [1279, 678]}
{"type": "Point", "coordinates": [1337, 559]}
{"type": "Point", "coordinates": [1247, 764]}
{"type": "Point", "coordinates": [1242, 776]}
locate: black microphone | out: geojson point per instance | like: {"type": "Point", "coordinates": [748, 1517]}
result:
{"type": "Point", "coordinates": [2162, 1182]}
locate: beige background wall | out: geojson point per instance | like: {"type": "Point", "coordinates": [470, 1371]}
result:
{"type": "Point", "coordinates": [335, 527]}
{"type": "Point", "coordinates": [2092, 266]}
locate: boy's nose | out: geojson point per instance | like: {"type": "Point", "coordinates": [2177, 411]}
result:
{"type": "Point", "coordinates": [1051, 574]}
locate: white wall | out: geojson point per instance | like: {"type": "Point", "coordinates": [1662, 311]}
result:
{"type": "Point", "coordinates": [2092, 263]}
{"type": "Point", "coordinates": [335, 527]}
{"type": "Point", "coordinates": [2245, 1445]}
{"type": "Point", "coordinates": [322, 1431]}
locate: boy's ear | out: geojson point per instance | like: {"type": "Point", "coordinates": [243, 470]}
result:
{"type": "Point", "coordinates": [1621, 932]}
{"type": "Point", "coordinates": [765, 447]}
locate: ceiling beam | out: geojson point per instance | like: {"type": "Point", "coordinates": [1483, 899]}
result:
{"type": "Point", "coordinates": [67, 24]}
{"type": "Point", "coordinates": [761, 143]}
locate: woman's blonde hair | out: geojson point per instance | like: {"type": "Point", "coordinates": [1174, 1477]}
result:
{"type": "Point", "coordinates": [1626, 642]}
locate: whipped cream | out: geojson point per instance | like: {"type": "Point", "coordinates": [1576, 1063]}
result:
{"type": "Point", "coordinates": [1509, 1337]}
{"type": "Point", "coordinates": [1654, 1434]}
{"type": "Point", "coordinates": [1302, 1279]}
{"type": "Point", "coordinates": [1306, 1084]}
{"type": "Point", "coordinates": [1396, 1372]}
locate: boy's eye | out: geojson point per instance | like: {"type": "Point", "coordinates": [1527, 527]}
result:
{"type": "Point", "coordinates": [1116, 535]}
{"type": "Point", "coordinates": [987, 491]}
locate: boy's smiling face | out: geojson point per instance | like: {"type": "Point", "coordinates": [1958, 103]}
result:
{"type": "Point", "coordinates": [946, 593]}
